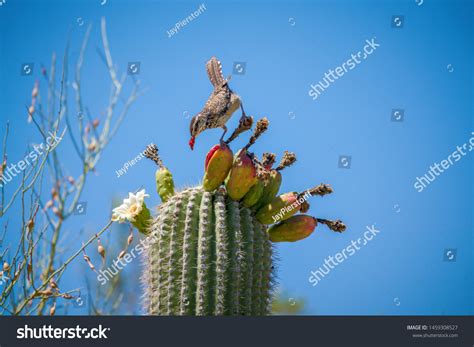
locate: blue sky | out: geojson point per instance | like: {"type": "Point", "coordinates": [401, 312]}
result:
{"type": "Point", "coordinates": [423, 67]}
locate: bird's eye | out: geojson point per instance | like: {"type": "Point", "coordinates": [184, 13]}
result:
{"type": "Point", "coordinates": [195, 126]}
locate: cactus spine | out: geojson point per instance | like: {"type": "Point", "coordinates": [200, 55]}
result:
{"type": "Point", "coordinates": [208, 256]}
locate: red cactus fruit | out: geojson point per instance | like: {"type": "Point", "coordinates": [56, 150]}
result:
{"type": "Point", "coordinates": [217, 166]}
{"type": "Point", "coordinates": [243, 175]}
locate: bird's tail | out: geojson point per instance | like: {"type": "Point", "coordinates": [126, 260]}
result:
{"type": "Point", "coordinates": [214, 71]}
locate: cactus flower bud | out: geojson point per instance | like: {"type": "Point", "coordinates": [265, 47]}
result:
{"type": "Point", "coordinates": [293, 229]}
{"type": "Point", "coordinates": [163, 177]}
{"type": "Point", "coordinates": [164, 183]}
{"type": "Point", "coordinates": [242, 177]}
{"type": "Point", "coordinates": [217, 166]}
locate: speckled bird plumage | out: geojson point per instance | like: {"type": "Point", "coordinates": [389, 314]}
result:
{"type": "Point", "coordinates": [220, 105]}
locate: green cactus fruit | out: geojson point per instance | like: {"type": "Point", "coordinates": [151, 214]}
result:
{"type": "Point", "coordinates": [242, 176]}
{"type": "Point", "coordinates": [207, 255]}
{"type": "Point", "coordinates": [273, 185]}
{"type": "Point", "coordinates": [163, 177]}
{"type": "Point", "coordinates": [142, 221]}
{"type": "Point", "coordinates": [271, 188]}
{"type": "Point", "coordinates": [218, 163]}
{"type": "Point", "coordinates": [164, 183]}
{"type": "Point", "coordinates": [293, 229]}
{"type": "Point", "coordinates": [280, 208]}
{"type": "Point", "coordinates": [254, 194]}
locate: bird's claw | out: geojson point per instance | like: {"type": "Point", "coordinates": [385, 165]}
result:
{"type": "Point", "coordinates": [222, 143]}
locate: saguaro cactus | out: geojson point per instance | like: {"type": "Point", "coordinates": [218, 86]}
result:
{"type": "Point", "coordinates": [209, 250]}
{"type": "Point", "coordinates": [209, 256]}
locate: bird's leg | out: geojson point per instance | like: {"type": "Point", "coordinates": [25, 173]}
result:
{"type": "Point", "coordinates": [245, 122]}
{"type": "Point", "coordinates": [222, 137]}
{"type": "Point", "coordinates": [243, 111]}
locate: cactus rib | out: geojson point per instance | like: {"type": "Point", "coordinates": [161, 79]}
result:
{"type": "Point", "coordinates": [209, 256]}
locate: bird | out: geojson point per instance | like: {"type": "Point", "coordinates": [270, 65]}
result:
{"type": "Point", "coordinates": [220, 105]}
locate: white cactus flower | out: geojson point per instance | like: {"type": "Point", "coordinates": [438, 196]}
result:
{"type": "Point", "coordinates": [130, 208]}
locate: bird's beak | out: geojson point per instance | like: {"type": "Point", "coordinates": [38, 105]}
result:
{"type": "Point", "coordinates": [191, 143]}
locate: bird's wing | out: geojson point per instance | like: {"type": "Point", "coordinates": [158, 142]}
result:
{"type": "Point", "coordinates": [214, 71]}
{"type": "Point", "coordinates": [217, 103]}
